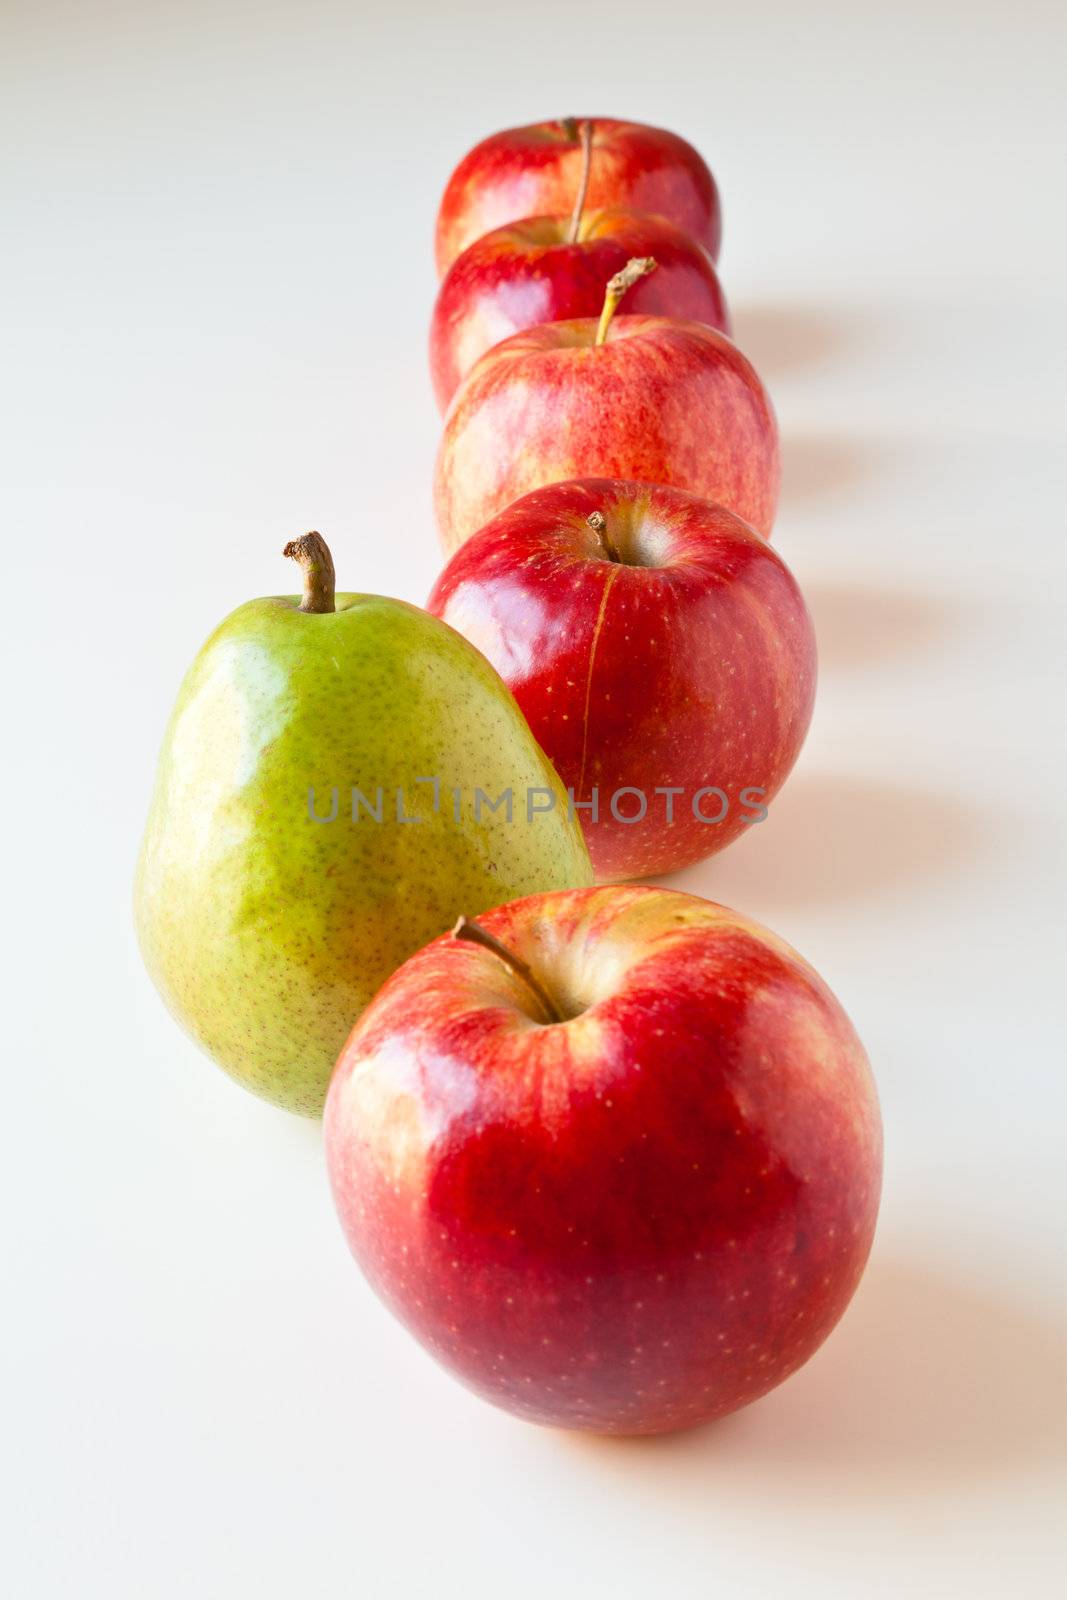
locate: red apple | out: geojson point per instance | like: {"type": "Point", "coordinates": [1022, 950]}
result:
{"type": "Point", "coordinates": [651, 399]}
{"type": "Point", "coordinates": [653, 641]}
{"type": "Point", "coordinates": [545, 270]}
{"type": "Point", "coordinates": [619, 1171]}
{"type": "Point", "coordinates": [535, 171]}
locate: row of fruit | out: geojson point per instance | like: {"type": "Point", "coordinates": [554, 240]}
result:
{"type": "Point", "coordinates": [612, 1153]}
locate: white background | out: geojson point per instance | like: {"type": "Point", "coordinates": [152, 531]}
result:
{"type": "Point", "coordinates": [216, 280]}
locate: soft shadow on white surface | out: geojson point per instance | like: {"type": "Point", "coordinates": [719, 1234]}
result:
{"type": "Point", "coordinates": [832, 837]}
{"type": "Point", "coordinates": [819, 466]}
{"type": "Point", "coordinates": [926, 1383]}
{"type": "Point", "coordinates": [781, 338]}
{"type": "Point", "coordinates": [860, 626]}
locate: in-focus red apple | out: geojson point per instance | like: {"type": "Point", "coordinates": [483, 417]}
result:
{"type": "Point", "coordinates": [650, 399]}
{"type": "Point", "coordinates": [660, 650]}
{"type": "Point", "coordinates": [534, 271]}
{"type": "Point", "coordinates": [623, 1176]}
{"type": "Point", "coordinates": [535, 171]}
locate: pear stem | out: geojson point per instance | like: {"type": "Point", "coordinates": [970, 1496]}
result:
{"type": "Point", "coordinates": [312, 553]}
{"type": "Point", "coordinates": [583, 184]}
{"type": "Point", "coordinates": [637, 267]}
{"type": "Point", "coordinates": [476, 934]}
{"type": "Point", "coordinates": [598, 522]}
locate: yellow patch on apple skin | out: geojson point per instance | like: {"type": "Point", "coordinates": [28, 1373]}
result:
{"type": "Point", "coordinates": [402, 1098]}
{"type": "Point", "coordinates": [377, 1104]}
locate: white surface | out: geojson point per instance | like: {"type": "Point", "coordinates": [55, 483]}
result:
{"type": "Point", "coordinates": [217, 275]}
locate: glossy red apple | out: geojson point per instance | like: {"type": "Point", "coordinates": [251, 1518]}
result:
{"type": "Point", "coordinates": [535, 171]}
{"type": "Point", "coordinates": [623, 1177]}
{"type": "Point", "coordinates": [533, 271]}
{"type": "Point", "coordinates": [655, 645]}
{"type": "Point", "coordinates": [651, 399]}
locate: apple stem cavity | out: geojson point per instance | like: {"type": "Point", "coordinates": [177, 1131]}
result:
{"type": "Point", "coordinates": [583, 184]}
{"type": "Point", "coordinates": [599, 524]}
{"type": "Point", "coordinates": [636, 268]}
{"type": "Point", "coordinates": [312, 554]}
{"type": "Point", "coordinates": [476, 934]}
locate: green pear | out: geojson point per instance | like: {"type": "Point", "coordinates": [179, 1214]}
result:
{"type": "Point", "coordinates": [324, 806]}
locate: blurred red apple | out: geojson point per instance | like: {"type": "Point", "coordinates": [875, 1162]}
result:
{"type": "Point", "coordinates": [532, 271]}
{"type": "Point", "coordinates": [535, 171]}
{"type": "Point", "coordinates": [650, 399]}
{"type": "Point", "coordinates": [655, 644]}
{"type": "Point", "coordinates": [619, 1170]}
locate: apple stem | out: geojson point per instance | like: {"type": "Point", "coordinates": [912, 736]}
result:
{"type": "Point", "coordinates": [637, 267]}
{"type": "Point", "coordinates": [598, 522]}
{"type": "Point", "coordinates": [476, 934]}
{"type": "Point", "coordinates": [583, 185]}
{"type": "Point", "coordinates": [312, 553]}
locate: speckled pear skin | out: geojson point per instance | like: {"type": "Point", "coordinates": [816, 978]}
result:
{"type": "Point", "coordinates": [267, 932]}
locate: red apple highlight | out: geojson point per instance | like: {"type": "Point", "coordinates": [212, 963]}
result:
{"type": "Point", "coordinates": [617, 1171]}
{"type": "Point", "coordinates": [536, 171]}
{"type": "Point", "coordinates": [534, 271]}
{"type": "Point", "coordinates": [654, 643]}
{"type": "Point", "coordinates": [650, 399]}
